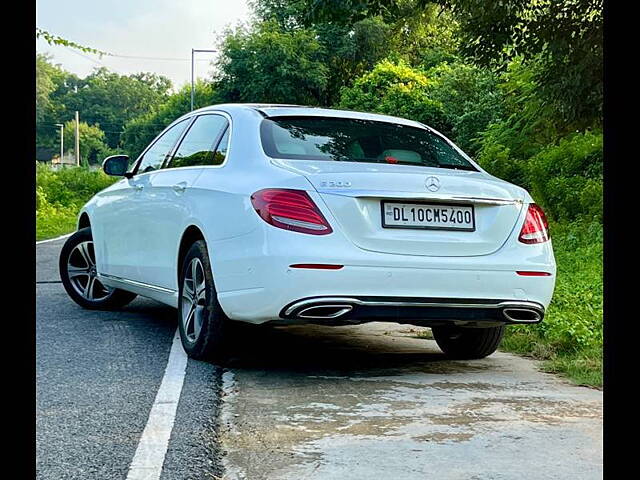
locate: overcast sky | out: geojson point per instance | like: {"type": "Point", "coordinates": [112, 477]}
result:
{"type": "Point", "coordinates": [144, 28]}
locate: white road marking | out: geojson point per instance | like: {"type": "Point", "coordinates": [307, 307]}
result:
{"type": "Point", "coordinates": [54, 239]}
{"type": "Point", "coordinates": [227, 417]}
{"type": "Point", "coordinates": [149, 457]}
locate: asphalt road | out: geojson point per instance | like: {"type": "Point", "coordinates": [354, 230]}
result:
{"type": "Point", "coordinates": [349, 403]}
{"type": "Point", "coordinates": [97, 377]}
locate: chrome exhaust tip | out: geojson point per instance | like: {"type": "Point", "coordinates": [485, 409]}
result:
{"type": "Point", "coordinates": [522, 315]}
{"type": "Point", "coordinates": [325, 311]}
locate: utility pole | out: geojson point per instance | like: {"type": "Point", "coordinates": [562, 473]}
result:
{"type": "Point", "coordinates": [193, 51]}
{"type": "Point", "coordinates": [77, 139]}
{"type": "Point", "coordinates": [61, 141]}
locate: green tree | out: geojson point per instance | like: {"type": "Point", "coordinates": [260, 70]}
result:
{"type": "Point", "coordinates": [562, 40]}
{"type": "Point", "coordinates": [52, 84]}
{"type": "Point", "coordinates": [44, 87]}
{"type": "Point", "coordinates": [139, 131]}
{"type": "Point", "coordinates": [110, 100]}
{"type": "Point", "coordinates": [268, 64]}
{"type": "Point", "coordinates": [470, 99]}
{"type": "Point", "coordinates": [93, 148]}
{"type": "Point", "coordinates": [395, 89]}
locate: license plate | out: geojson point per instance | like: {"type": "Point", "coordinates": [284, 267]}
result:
{"type": "Point", "coordinates": [433, 216]}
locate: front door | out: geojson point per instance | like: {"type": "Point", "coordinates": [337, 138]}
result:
{"type": "Point", "coordinates": [121, 212]}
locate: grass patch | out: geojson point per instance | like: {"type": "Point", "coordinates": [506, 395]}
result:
{"type": "Point", "coordinates": [569, 340]}
{"type": "Point", "coordinates": [53, 221]}
{"type": "Point", "coordinates": [60, 194]}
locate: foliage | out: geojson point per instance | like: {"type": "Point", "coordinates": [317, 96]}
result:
{"type": "Point", "coordinates": [44, 87]}
{"type": "Point", "coordinates": [457, 99]}
{"type": "Point", "coordinates": [92, 145]}
{"type": "Point", "coordinates": [470, 100]}
{"type": "Point", "coordinates": [103, 98]}
{"type": "Point", "coordinates": [394, 89]}
{"type": "Point", "coordinates": [566, 179]}
{"type": "Point", "coordinates": [52, 82]}
{"type": "Point", "coordinates": [349, 11]}
{"type": "Point", "coordinates": [61, 193]}
{"type": "Point", "coordinates": [271, 65]}
{"type": "Point", "coordinates": [139, 132]}
{"type": "Point", "coordinates": [54, 221]}
{"type": "Point", "coordinates": [569, 339]}
{"type": "Point", "coordinates": [56, 40]}
{"type": "Point", "coordinates": [564, 39]}
{"type": "Point", "coordinates": [110, 100]}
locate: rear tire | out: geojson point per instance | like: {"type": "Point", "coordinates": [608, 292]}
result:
{"type": "Point", "coordinates": [77, 265]}
{"type": "Point", "coordinates": [468, 343]}
{"type": "Point", "coordinates": [205, 330]}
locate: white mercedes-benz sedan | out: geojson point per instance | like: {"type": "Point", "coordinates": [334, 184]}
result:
{"type": "Point", "coordinates": [282, 214]}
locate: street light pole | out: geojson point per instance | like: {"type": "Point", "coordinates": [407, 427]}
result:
{"type": "Point", "coordinates": [77, 139]}
{"type": "Point", "coordinates": [192, 89]}
{"type": "Point", "coordinates": [193, 51]}
{"type": "Point", "coordinates": [61, 140]}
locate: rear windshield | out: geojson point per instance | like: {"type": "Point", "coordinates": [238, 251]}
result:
{"type": "Point", "coordinates": [355, 140]}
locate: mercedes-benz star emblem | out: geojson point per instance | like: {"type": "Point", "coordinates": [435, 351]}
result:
{"type": "Point", "coordinates": [432, 184]}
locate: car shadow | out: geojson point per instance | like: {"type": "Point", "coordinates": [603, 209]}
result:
{"type": "Point", "coordinates": [366, 350]}
{"type": "Point", "coordinates": [354, 351]}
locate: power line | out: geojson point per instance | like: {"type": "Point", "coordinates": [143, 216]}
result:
{"type": "Point", "coordinates": [157, 58]}
{"type": "Point", "coordinates": [133, 57]}
{"type": "Point", "coordinates": [87, 58]}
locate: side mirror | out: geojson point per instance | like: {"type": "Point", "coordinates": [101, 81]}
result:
{"type": "Point", "coordinates": [116, 165]}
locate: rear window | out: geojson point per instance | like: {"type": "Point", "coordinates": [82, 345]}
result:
{"type": "Point", "coordinates": [355, 140]}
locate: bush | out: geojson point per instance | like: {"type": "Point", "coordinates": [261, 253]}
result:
{"type": "Point", "coordinates": [566, 179]}
{"type": "Point", "coordinates": [570, 337]}
{"type": "Point", "coordinates": [470, 100]}
{"type": "Point", "coordinates": [69, 187]}
{"type": "Point", "coordinates": [395, 89]}
{"type": "Point", "coordinates": [60, 194]}
{"type": "Point", "coordinates": [457, 99]}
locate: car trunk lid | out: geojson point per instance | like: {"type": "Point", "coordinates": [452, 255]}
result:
{"type": "Point", "coordinates": [353, 192]}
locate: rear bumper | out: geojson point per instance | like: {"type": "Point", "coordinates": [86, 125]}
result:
{"type": "Point", "coordinates": [255, 280]}
{"type": "Point", "coordinates": [417, 311]}
{"type": "Point", "coordinates": [282, 286]}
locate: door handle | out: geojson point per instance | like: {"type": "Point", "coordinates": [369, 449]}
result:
{"type": "Point", "coordinates": [179, 187]}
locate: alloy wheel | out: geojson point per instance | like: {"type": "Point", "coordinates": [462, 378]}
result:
{"type": "Point", "coordinates": [83, 275]}
{"type": "Point", "coordinates": [193, 300]}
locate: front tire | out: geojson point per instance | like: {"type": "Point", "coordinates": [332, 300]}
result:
{"type": "Point", "coordinates": [468, 343]}
{"type": "Point", "coordinates": [205, 330]}
{"type": "Point", "coordinates": [77, 265]}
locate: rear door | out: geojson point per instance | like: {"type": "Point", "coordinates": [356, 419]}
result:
{"type": "Point", "coordinates": [383, 183]}
{"type": "Point", "coordinates": [169, 197]}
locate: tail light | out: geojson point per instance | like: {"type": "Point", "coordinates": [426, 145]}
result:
{"type": "Point", "coordinates": [536, 227]}
{"type": "Point", "coordinates": [290, 209]}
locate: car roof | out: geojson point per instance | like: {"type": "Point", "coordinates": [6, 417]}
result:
{"type": "Point", "coordinates": [285, 110]}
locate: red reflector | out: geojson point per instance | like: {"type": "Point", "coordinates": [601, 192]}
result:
{"type": "Point", "coordinates": [319, 266]}
{"type": "Point", "coordinates": [534, 274]}
{"type": "Point", "coordinates": [391, 159]}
